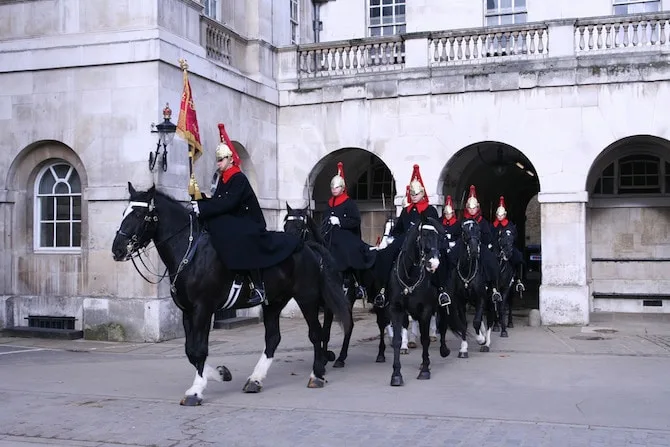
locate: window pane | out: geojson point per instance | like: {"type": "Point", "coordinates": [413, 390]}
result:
{"type": "Point", "coordinates": [75, 182]}
{"type": "Point", "coordinates": [376, 31]}
{"type": "Point", "coordinates": [399, 30]}
{"type": "Point", "coordinates": [387, 2]}
{"type": "Point", "coordinates": [520, 4]}
{"type": "Point", "coordinates": [506, 20]}
{"type": "Point", "coordinates": [619, 10]}
{"type": "Point", "coordinates": [63, 234]}
{"type": "Point", "coordinates": [387, 31]}
{"type": "Point", "coordinates": [505, 4]}
{"type": "Point", "coordinates": [62, 208]}
{"type": "Point", "coordinates": [626, 169]}
{"type": "Point", "coordinates": [46, 235]}
{"type": "Point", "coordinates": [76, 234]}
{"type": "Point", "coordinates": [76, 208]}
{"type": "Point", "coordinates": [492, 5]}
{"type": "Point", "coordinates": [47, 208]}
{"type": "Point", "coordinates": [520, 18]}
{"type": "Point", "coordinates": [61, 170]}
{"type": "Point", "coordinates": [374, 2]}
{"type": "Point", "coordinates": [47, 183]}
{"type": "Point", "coordinates": [609, 171]}
{"type": "Point", "coordinates": [492, 20]}
{"type": "Point", "coordinates": [62, 188]}
{"type": "Point", "coordinates": [608, 186]}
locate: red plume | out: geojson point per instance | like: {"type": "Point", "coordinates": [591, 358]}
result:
{"type": "Point", "coordinates": [502, 201]}
{"type": "Point", "coordinates": [407, 196]}
{"type": "Point", "coordinates": [449, 202]}
{"type": "Point", "coordinates": [340, 170]}
{"type": "Point", "coordinates": [473, 192]}
{"type": "Point", "coordinates": [224, 139]}
{"type": "Point", "coordinates": [416, 175]}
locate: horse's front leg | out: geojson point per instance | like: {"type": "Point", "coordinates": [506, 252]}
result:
{"type": "Point", "coordinates": [327, 324]}
{"type": "Point", "coordinates": [442, 326]}
{"type": "Point", "coordinates": [502, 312]}
{"type": "Point", "coordinates": [480, 332]}
{"type": "Point", "coordinates": [271, 313]}
{"type": "Point", "coordinates": [424, 330]}
{"type": "Point", "coordinates": [196, 329]}
{"type": "Point", "coordinates": [382, 322]}
{"type": "Point", "coordinates": [397, 322]}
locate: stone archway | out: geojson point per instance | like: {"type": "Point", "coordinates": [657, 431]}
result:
{"type": "Point", "coordinates": [627, 221]}
{"type": "Point", "coordinates": [498, 169]}
{"type": "Point", "coordinates": [369, 182]}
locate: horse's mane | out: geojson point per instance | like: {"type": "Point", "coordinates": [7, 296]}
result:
{"type": "Point", "coordinates": [410, 238]}
{"type": "Point", "coordinates": [173, 204]}
{"type": "Point", "coordinates": [314, 229]}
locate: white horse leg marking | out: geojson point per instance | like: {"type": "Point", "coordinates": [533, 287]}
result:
{"type": "Point", "coordinates": [199, 385]}
{"type": "Point", "coordinates": [403, 341]}
{"type": "Point", "coordinates": [261, 369]}
{"type": "Point", "coordinates": [413, 331]}
{"type": "Point", "coordinates": [389, 331]}
{"type": "Point", "coordinates": [464, 346]}
{"type": "Point", "coordinates": [481, 338]}
{"type": "Point", "coordinates": [212, 373]}
{"type": "Point", "coordinates": [488, 338]}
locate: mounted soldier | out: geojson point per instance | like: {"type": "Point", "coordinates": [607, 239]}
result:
{"type": "Point", "coordinates": [452, 233]}
{"type": "Point", "coordinates": [237, 226]}
{"type": "Point", "coordinates": [501, 224]}
{"type": "Point", "coordinates": [473, 212]}
{"type": "Point", "coordinates": [342, 234]}
{"type": "Point", "coordinates": [416, 209]}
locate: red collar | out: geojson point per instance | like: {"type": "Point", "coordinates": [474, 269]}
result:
{"type": "Point", "coordinates": [420, 206]}
{"type": "Point", "coordinates": [339, 200]}
{"type": "Point", "coordinates": [476, 217]}
{"type": "Point", "coordinates": [502, 223]}
{"type": "Point", "coordinates": [228, 173]}
{"type": "Point", "coordinates": [449, 222]}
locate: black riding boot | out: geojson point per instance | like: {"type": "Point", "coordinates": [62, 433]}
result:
{"type": "Point", "coordinates": [358, 289]}
{"type": "Point", "coordinates": [257, 295]}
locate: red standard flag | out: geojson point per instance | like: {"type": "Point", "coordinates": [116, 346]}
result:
{"type": "Point", "coordinates": [187, 124]}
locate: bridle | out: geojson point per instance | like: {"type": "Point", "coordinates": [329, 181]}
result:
{"type": "Point", "coordinates": [304, 228]}
{"type": "Point", "coordinates": [137, 245]}
{"type": "Point", "coordinates": [472, 272]}
{"type": "Point", "coordinates": [418, 243]}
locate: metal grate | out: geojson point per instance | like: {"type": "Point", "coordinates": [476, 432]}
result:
{"type": "Point", "coordinates": [662, 341]}
{"type": "Point", "coordinates": [51, 322]}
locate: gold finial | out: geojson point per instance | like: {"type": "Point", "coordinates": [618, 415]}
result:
{"type": "Point", "coordinates": [183, 64]}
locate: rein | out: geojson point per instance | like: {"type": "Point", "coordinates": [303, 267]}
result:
{"type": "Point", "coordinates": [471, 272]}
{"type": "Point", "coordinates": [409, 288]}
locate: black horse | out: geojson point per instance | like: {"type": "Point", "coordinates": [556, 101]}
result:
{"type": "Point", "coordinates": [201, 284]}
{"type": "Point", "coordinates": [299, 221]}
{"type": "Point", "coordinates": [470, 287]}
{"type": "Point", "coordinates": [506, 280]}
{"type": "Point", "coordinates": [410, 291]}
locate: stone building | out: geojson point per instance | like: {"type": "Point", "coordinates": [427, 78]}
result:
{"type": "Point", "coordinates": [558, 106]}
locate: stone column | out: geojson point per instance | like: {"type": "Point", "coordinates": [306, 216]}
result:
{"type": "Point", "coordinates": [564, 293]}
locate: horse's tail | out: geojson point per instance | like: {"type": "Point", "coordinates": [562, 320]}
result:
{"type": "Point", "coordinates": [331, 287]}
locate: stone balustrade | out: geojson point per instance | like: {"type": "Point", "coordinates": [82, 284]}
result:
{"type": "Point", "coordinates": [482, 45]}
{"type": "Point", "coordinates": [222, 44]}
{"type": "Point", "coordinates": [638, 32]}
{"type": "Point", "coordinates": [351, 57]}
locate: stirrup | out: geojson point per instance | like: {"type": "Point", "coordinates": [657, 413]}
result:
{"type": "Point", "coordinates": [380, 300]}
{"type": "Point", "coordinates": [444, 299]}
{"type": "Point", "coordinates": [496, 296]}
{"type": "Point", "coordinates": [256, 297]}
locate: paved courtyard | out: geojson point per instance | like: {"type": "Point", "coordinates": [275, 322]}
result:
{"type": "Point", "coordinates": [603, 385]}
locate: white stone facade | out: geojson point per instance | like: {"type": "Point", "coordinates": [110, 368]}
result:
{"type": "Point", "coordinates": [82, 81]}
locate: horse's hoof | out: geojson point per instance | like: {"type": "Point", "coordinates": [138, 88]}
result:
{"type": "Point", "coordinates": [330, 356]}
{"type": "Point", "coordinates": [252, 387]}
{"type": "Point", "coordinates": [411, 344]}
{"type": "Point", "coordinates": [503, 334]}
{"type": "Point", "coordinates": [462, 355]}
{"type": "Point", "coordinates": [444, 351]}
{"type": "Point", "coordinates": [484, 349]}
{"type": "Point", "coordinates": [397, 381]}
{"type": "Point", "coordinates": [338, 364]}
{"type": "Point", "coordinates": [510, 324]}
{"type": "Point", "coordinates": [423, 375]}
{"type": "Point", "coordinates": [404, 351]}
{"type": "Point", "coordinates": [315, 382]}
{"type": "Point", "coordinates": [495, 328]}
{"type": "Point", "coordinates": [226, 376]}
{"type": "Point", "coordinates": [433, 338]}
{"type": "Point", "coordinates": [191, 401]}
{"type": "Point", "coordinates": [380, 359]}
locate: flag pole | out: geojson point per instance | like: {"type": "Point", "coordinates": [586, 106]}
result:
{"type": "Point", "coordinates": [193, 188]}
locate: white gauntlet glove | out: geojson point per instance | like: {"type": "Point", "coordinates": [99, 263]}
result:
{"type": "Point", "coordinates": [196, 209]}
{"type": "Point", "coordinates": [334, 220]}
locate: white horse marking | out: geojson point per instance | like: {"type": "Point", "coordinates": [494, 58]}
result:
{"type": "Point", "coordinates": [464, 346]}
{"type": "Point", "coordinates": [200, 383]}
{"type": "Point", "coordinates": [132, 205]}
{"type": "Point", "coordinates": [261, 369]}
{"type": "Point", "coordinates": [434, 264]}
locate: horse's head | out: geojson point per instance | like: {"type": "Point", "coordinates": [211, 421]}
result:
{"type": "Point", "coordinates": [429, 237]}
{"type": "Point", "coordinates": [138, 224]}
{"type": "Point", "coordinates": [472, 236]}
{"type": "Point", "coordinates": [506, 244]}
{"type": "Point", "coordinates": [296, 221]}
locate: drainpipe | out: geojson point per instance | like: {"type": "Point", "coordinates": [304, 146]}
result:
{"type": "Point", "coordinates": [317, 26]}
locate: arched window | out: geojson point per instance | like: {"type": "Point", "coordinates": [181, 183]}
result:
{"type": "Point", "coordinates": [58, 208]}
{"type": "Point", "coordinates": [377, 179]}
{"type": "Point", "coordinates": [634, 174]}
